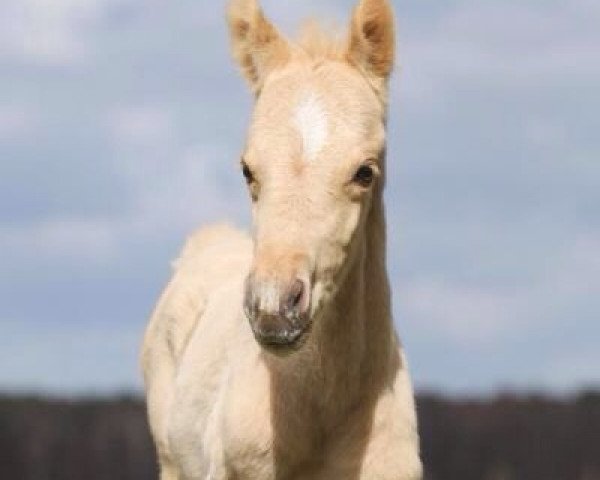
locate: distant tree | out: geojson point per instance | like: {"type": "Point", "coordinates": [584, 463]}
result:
{"type": "Point", "coordinates": [508, 438]}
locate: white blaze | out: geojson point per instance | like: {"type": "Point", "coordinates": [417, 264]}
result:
{"type": "Point", "coordinates": [311, 121]}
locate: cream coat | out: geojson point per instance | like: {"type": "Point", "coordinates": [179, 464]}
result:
{"type": "Point", "coordinates": [340, 406]}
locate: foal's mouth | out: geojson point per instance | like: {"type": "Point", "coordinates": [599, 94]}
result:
{"type": "Point", "coordinates": [286, 343]}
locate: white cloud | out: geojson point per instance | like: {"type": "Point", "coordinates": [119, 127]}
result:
{"type": "Point", "coordinates": [186, 191]}
{"type": "Point", "coordinates": [572, 369]}
{"type": "Point", "coordinates": [142, 126]}
{"type": "Point", "coordinates": [92, 241]}
{"type": "Point", "coordinates": [15, 122]}
{"type": "Point", "coordinates": [46, 31]}
{"type": "Point", "coordinates": [175, 188]}
{"type": "Point", "coordinates": [520, 45]}
{"type": "Point", "coordinates": [467, 315]}
{"type": "Point", "coordinates": [578, 269]}
{"type": "Point", "coordinates": [546, 132]}
{"type": "Point", "coordinates": [474, 315]}
{"type": "Point", "coordinates": [176, 184]}
{"type": "Point", "coordinates": [80, 359]}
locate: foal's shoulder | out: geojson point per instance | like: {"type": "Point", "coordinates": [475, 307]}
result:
{"type": "Point", "coordinates": [211, 258]}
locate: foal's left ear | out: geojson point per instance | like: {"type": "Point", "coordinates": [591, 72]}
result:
{"type": "Point", "coordinates": [257, 45]}
{"type": "Point", "coordinates": [372, 42]}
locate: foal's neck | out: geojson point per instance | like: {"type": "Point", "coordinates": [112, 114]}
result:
{"type": "Point", "coordinates": [360, 322]}
{"type": "Point", "coordinates": [349, 352]}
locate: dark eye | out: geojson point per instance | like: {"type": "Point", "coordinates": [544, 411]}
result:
{"type": "Point", "coordinates": [247, 173]}
{"type": "Point", "coordinates": [364, 176]}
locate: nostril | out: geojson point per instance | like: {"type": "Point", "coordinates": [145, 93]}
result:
{"type": "Point", "coordinates": [295, 295]}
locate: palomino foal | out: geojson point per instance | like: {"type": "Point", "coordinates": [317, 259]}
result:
{"type": "Point", "coordinates": [275, 357]}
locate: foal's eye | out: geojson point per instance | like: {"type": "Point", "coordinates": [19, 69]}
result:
{"type": "Point", "coordinates": [247, 173]}
{"type": "Point", "coordinates": [364, 176]}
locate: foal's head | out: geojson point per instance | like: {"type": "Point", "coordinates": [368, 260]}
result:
{"type": "Point", "coordinates": [313, 159]}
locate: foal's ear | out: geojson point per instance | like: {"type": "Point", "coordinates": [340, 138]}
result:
{"type": "Point", "coordinates": [372, 43]}
{"type": "Point", "coordinates": [257, 45]}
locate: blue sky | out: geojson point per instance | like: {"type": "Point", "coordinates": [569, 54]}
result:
{"type": "Point", "coordinates": [121, 123]}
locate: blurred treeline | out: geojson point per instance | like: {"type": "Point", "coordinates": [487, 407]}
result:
{"type": "Point", "coordinates": [507, 438]}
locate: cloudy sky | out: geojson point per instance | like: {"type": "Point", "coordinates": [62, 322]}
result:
{"type": "Point", "coordinates": [121, 123]}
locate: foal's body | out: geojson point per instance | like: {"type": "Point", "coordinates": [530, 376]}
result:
{"type": "Point", "coordinates": [342, 409]}
{"type": "Point", "coordinates": [330, 398]}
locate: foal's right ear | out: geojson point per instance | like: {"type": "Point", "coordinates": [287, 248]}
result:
{"type": "Point", "coordinates": [257, 45]}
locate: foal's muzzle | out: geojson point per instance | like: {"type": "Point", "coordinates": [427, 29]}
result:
{"type": "Point", "coordinates": [278, 313]}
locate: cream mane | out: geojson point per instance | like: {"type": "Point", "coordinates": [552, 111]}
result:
{"type": "Point", "coordinates": [321, 45]}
